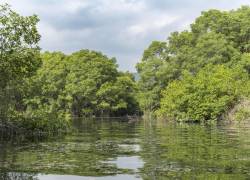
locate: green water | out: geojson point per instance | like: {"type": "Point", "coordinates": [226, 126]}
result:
{"type": "Point", "coordinates": [118, 149]}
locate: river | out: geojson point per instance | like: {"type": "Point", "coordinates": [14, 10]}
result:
{"type": "Point", "coordinates": [107, 149]}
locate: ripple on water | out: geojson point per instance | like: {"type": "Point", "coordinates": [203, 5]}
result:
{"type": "Point", "coordinates": [106, 150]}
{"type": "Point", "coordinates": [130, 147]}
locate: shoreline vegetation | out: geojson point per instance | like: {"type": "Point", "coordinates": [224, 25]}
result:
{"type": "Point", "coordinates": [197, 75]}
{"type": "Point", "coordinates": [201, 74]}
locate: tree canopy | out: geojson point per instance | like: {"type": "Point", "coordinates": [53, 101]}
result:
{"type": "Point", "coordinates": [43, 91]}
{"type": "Point", "coordinates": [215, 38]}
{"type": "Point", "coordinates": [197, 74]}
{"type": "Point", "coordinates": [19, 55]}
{"type": "Point", "coordinates": [85, 83]}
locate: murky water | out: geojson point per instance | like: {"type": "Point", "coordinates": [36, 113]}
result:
{"type": "Point", "coordinates": [118, 149]}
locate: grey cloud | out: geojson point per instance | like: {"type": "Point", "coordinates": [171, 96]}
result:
{"type": "Point", "coordinates": [120, 28]}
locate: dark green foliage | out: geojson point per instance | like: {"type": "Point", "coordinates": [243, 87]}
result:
{"type": "Point", "coordinates": [18, 39]}
{"type": "Point", "coordinates": [42, 92]}
{"type": "Point", "coordinates": [85, 83]}
{"type": "Point", "coordinates": [151, 79]}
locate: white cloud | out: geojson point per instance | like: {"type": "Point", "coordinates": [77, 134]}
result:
{"type": "Point", "coordinates": [151, 24]}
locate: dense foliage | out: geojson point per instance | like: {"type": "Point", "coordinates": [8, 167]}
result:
{"type": "Point", "coordinates": [43, 91]}
{"type": "Point", "coordinates": [19, 57]}
{"type": "Point", "coordinates": [85, 83]}
{"type": "Point", "coordinates": [206, 96]}
{"type": "Point", "coordinates": [183, 78]}
{"type": "Point", "coordinates": [200, 74]}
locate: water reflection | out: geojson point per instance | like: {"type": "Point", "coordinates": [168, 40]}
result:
{"type": "Point", "coordinates": [67, 177]}
{"type": "Point", "coordinates": [25, 176]}
{"type": "Point", "coordinates": [195, 151]}
{"type": "Point", "coordinates": [133, 162]}
{"type": "Point", "coordinates": [116, 149]}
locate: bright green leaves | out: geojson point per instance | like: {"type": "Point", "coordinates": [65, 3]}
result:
{"type": "Point", "coordinates": [245, 62]}
{"type": "Point", "coordinates": [234, 25]}
{"type": "Point", "coordinates": [18, 45]}
{"type": "Point", "coordinates": [17, 31]}
{"type": "Point", "coordinates": [216, 38]}
{"type": "Point", "coordinates": [19, 58]}
{"type": "Point", "coordinates": [206, 96]}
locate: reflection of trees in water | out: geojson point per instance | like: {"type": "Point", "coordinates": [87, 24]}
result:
{"type": "Point", "coordinates": [84, 152]}
{"type": "Point", "coordinates": [241, 130]}
{"type": "Point", "coordinates": [169, 151]}
{"type": "Point", "coordinates": [17, 176]}
{"type": "Point", "coordinates": [193, 151]}
{"type": "Point", "coordinates": [9, 132]}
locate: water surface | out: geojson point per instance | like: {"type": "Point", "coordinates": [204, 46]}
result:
{"type": "Point", "coordinates": [107, 149]}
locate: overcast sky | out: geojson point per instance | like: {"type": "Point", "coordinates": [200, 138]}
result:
{"type": "Point", "coordinates": [118, 28]}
